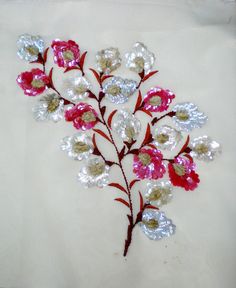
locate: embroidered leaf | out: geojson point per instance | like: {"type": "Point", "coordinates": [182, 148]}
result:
{"type": "Point", "coordinates": [134, 151]}
{"type": "Point", "coordinates": [82, 58]}
{"type": "Point", "coordinates": [138, 102]}
{"type": "Point", "coordinates": [95, 150]}
{"type": "Point", "coordinates": [152, 146]}
{"type": "Point", "coordinates": [141, 200]}
{"type": "Point", "coordinates": [122, 201]}
{"type": "Point", "coordinates": [97, 76]}
{"type": "Point", "coordinates": [149, 75]}
{"type": "Point", "coordinates": [118, 186]}
{"type": "Point", "coordinates": [122, 153]}
{"type": "Point", "coordinates": [148, 136]}
{"type": "Point", "coordinates": [185, 146]}
{"type": "Point", "coordinates": [71, 68]}
{"type": "Point", "coordinates": [146, 111]}
{"type": "Point", "coordinates": [109, 163]}
{"type": "Point", "coordinates": [106, 77]}
{"type": "Point", "coordinates": [141, 74]}
{"type": "Point", "coordinates": [133, 182]}
{"type": "Point", "coordinates": [101, 96]}
{"type": "Point", "coordinates": [103, 134]}
{"type": "Point", "coordinates": [103, 110]}
{"type": "Point", "coordinates": [149, 206]}
{"type": "Point", "coordinates": [110, 118]}
{"type": "Point", "coordinates": [91, 95]}
{"type": "Point", "coordinates": [129, 144]}
{"type": "Point", "coordinates": [45, 55]}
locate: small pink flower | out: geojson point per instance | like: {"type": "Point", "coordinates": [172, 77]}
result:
{"type": "Point", "coordinates": [182, 173]}
{"type": "Point", "coordinates": [148, 164]}
{"type": "Point", "coordinates": [158, 99]}
{"type": "Point", "coordinates": [33, 82]}
{"type": "Point", "coordinates": [66, 54]}
{"type": "Point", "coordinates": [83, 116]}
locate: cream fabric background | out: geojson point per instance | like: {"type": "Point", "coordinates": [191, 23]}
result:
{"type": "Point", "coordinates": [54, 234]}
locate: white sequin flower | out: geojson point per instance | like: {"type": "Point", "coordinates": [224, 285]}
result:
{"type": "Point", "coordinates": [155, 225]}
{"type": "Point", "coordinates": [108, 60]}
{"type": "Point", "coordinates": [204, 148]}
{"type": "Point", "coordinates": [95, 173]}
{"type": "Point", "coordinates": [29, 47]}
{"type": "Point", "coordinates": [126, 125]}
{"type": "Point", "coordinates": [188, 116]}
{"type": "Point", "coordinates": [140, 58]}
{"type": "Point", "coordinates": [159, 193]}
{"type": "Point", "coordinates": [76, 88]}
{"type": "Point", "coordinates": [118, 90]}
{"type": "Point", "coordinates": [49, 107]}
{"type": "Point", "coordinates": [79, 146]}
{"type": "Point", "coordinates": [166, 137]}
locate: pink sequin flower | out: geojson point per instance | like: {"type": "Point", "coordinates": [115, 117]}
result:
{"type": "Point", "coordinates": [84, 117]}
{"type": "Point", "coordinates": [66, 53]}
{"type": "Point", "coordinates": [158, 99]}
{"type": "Point", "coordinates": [33, 82]}
{"type": "Point", "coordinates": [148, 164]}
{"type": "Point", "coordinates": [182, 173]}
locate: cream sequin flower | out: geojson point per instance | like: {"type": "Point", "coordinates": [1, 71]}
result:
{"type": "Point", "coordinates": [140, 58]}
{"type": "Point", "coordinates": [29, 47]}
{"type": "Point", "coordinates": [76, 88]}
{"type": "Point", "coordinates": [126, 125]}
{"type": "Point", "coordinates": [159, 193]}
{"type": "Point", "coordinates": [188, 116]}
{"type": "Point", "coordinates": [108, 60]}
{"type": "Point", "coordinates": [204, 148]}
{"type": "Point", "coordinates": [166, 137]}
{"type": "Point", "coordinates": [118, 90]}
{"type": "Point", "coordinates": [49, 107]}
{"type": "Point", "coordinates": [79, 146]}
{"type": "Point", "coordinates": [95, 173]}
{"type": "Point", "coordinates": [155, 225]}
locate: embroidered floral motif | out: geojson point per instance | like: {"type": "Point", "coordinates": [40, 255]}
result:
{"type": "Point", "coordinates": [76, 88]}
{"type": "Point", "coordinates": [108, 60]}
{"type": "Point", "coordinates": [29, 47]}
{"type": "Point", "coordinates": [159, 192]}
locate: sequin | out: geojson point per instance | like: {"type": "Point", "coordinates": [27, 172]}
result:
{"type": "Point", "coordinates": [76, 88]}
{"type": "Point", "coordinates": [159, 193]}
{"type": "Point", "coordinates": [29, 47]}
{"type": "Point", "coordinates": [108, 60]}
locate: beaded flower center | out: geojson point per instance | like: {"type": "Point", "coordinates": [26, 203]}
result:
{"type": "Point", "coordinates": [156, 194]}
{"type": "Point", "coordinates": [88, 117]}
{"type": "Point", "coordinates": [155, 100]}
{"type": "Point", "coordinates": [105, 63]}
{"type": "Point", "coordinates": [151, 223]}
{"type": "Point", "coordinates": [53, 105]}
{"type": "Point", "coordinates": [179, 169]}
{"type": "Point", "coordinates": [32, 50]}
{"type": "Point", "coordinates": [37, 83]}
{"type": "Point", "coordinates": [145, 158]}
{"type": "Point", "coordinates": [201, 149]}
{"type": "Point", "coordinates": [80, 147]}
{"type": "Point", "coordinates": [162, 138]}
{"type": "Point", "coordinates": [96, 169]}
{"type": "Point", "coordinates": [114, 90]}
{"type": "Point", "coordinates": [139, 62]}
{"type": "Point", "coordinates": [182, 115]}
{"type": "Point", "coordinates": [129, 132]}
{"type": "Point", "coordinates": [80, 89]}
{"type": "Point", "coordinates": [68, 55]}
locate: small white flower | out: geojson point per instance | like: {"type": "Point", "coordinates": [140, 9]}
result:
{"type": "Point", "coordinates": [159, 192]}
{"type": "Point", "coordinates": [79, 146]}
{"type": "Point", "coordinates": [155, 225]}
{"type": "Point", "coordinates": [95, 173]}
{"type": "Point", "coordinates": [188, 116]}
{"type": "Point", "coordinates": [108, 60]}
{"type": "Point", "coordinates": [118, 90]}
{"type": "Point", "coordinates": [166, 137]}
{"type": "Point", "coordinates": [126, 125]}
{"type": "Point", "coordinates": [29, 47]}
{"type": "Point", "coordinates": [76, 88]}
{"type": "Point", "coordinates": [140, 58]}
{"type": "Point", "coordinates": [204, 148]}
{"type": "Point", "coordinates": [49, 107]}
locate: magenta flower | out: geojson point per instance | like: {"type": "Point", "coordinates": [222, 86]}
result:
{"type": "Point", "coordinates": [33, 82]}
{"type": "Point", "coordinates": [66, 54]}
{"type": "Point", "coordinates": [84, 117]}
{"type": "Point", "coordinates": [148, 164]}
{"type": "Point", "coordinates": [158, 99]}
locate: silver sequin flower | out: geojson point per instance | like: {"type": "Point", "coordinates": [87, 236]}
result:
{"type": "Point", "coordinates": [155, 225]}
{"type": "Point", "coordinates": [126, 125]}
{"type": "Point", "coordinates": [49, 107]}
{"type": "Point", "coordinates": [29, 47]}
{"type": "Point", "coordinates": [166, 137]}
{"type": "Point", "coordinates": [118, 90]}
{"type": "Point", "coordinates": [76, 88]}
{"type": "Point", "coordinates": [108, 60]}
{"type": "Point", "coordinates": [188, 116]}
{"type": "Point", "coordinates": [140, 58]}
{"type": "Point", "coordinates": [159, 193]}
{"type": "Point", "coordinates": [79, 146]}
{"type": "Point", "coordinates": [95, 173]}
{"type": "Point", "coordinates": [204, 148]}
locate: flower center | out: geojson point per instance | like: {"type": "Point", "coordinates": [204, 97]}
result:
{"type": "Point", "coordinates": [68, 55]}
{"type": "Point", "coordinates": [96, 169]}
{"type": "Point", "coordinates": [201, 149]}
{"type": "Point", "coordinates": [114, 90]}
{"type": "Point", "coordinates": [145, 158]}
{"type": "Point", "coordinates": [182, 115]}
{"type": "Point", "coordinates": [32, 50]}
{"type": "Point", "coordinates": [179, 169]}
{"type": "Point", "coordinates": [151, 223]}
{"type": "Point", "coordinates": [88, 117]}
{"type": "Point", "coordinates": [105, 63]}
{"type": "Point", "coordinates": [155, 100]}
{"type": "Point", "coordinates": [80, 147]}
{"type": "Point", "coordinates": [80, 89]}
{"type": "Point", "coordinates": [156, 194]}
{"type": "Point", "coordinates": [139, 62]}
{"type": "Point", "coordinates": [37, 83]}
{"type": "Point", "coordinates": [130, 133]}
{"type": "Point", "coordinates": [162, 138]}
{"type": "Point", "coordinates": [53, 105]}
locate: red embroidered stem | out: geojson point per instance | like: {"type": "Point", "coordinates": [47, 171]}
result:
{"type": "Point", "coordinates": [155, 120]}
